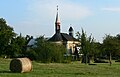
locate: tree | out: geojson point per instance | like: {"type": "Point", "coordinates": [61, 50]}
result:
{"type": "Point", "coordinates": [6, 35]}
{"type": "Point", "coordinates": [111, 46]}
{"type": "Point", "coordinates": [88, 46]}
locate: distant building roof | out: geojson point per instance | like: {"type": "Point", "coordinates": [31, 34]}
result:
{"type": "Point", "coordinates": [56, 37]}
{"type": "Point", "coordinates": [62, 37]}
{"type": "Point", "coordinates": [67, 37]}
{"type": "Point", "coordinates": [32, 42]}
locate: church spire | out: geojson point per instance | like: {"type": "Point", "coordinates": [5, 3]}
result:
{"type": "Point", "coordinates": [57, 22]}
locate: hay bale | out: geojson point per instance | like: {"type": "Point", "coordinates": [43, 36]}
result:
{"type": "Point", "coordinates": [21, 65]}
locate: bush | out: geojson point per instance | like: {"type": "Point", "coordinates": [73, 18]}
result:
{"type": "Point", "coordinates": [48, 52]}
{"type": "Point", "coordinates": [31, 54]}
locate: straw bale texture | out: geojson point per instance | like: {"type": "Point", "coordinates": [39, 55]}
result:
{"type": "Point", "coordinates": [21, 65]}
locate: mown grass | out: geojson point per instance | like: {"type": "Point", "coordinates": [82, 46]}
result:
{"type": "Point", "coordinates": [75, 69]}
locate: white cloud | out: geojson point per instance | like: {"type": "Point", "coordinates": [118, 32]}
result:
{"type": "Point", "coordinates": [112, 9]}
{"type": "Point", "coordinates": [67, 10]}
{"type": "Point", "coordinates": [75, 12]}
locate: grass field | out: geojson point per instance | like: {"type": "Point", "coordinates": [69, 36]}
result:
{"type": "Point", "coordinates": [75, 69]}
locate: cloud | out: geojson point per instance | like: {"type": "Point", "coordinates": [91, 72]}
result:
{"type": "Point", "coordinates": [67, 9]}
{"type": "Point", "coordinates": [112, 9]}
{"type": "Point", "coordinates": [75, 12]}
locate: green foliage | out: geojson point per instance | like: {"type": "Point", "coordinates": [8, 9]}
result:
{"type": "Point", "coordinates": [111, 44]}
{"type": "Point", "coordinates": [97, 49]}
{"type": "Point", "coordinates": [49, 52]}
{"type": "Point", "coordinates": [17, 47]}
{"type": "Point", "coordinates": [11, 45]}
{"type": "Point", "coordinates": [6, 34]}
{"type": "Point", "coordinates": [31, 54]}
{"type": "Point", "coordinates": [89, 48]}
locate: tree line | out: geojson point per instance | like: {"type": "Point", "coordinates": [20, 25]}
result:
{"type": "Point", "coordinates": [13, 45]}
{"type": "Point", "coordinates": [109, 49]}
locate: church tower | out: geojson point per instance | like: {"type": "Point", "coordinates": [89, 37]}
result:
{"type": "Point", "coordinates": [57, 23]}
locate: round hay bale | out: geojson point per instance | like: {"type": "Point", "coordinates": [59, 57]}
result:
{"type": "Point", "coordinates": [21, 65]}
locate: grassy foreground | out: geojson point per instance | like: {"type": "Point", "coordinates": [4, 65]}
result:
{"type": "Point", "coordinates": [75, 69]}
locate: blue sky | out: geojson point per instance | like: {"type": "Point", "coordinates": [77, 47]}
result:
{"type": "Point", "coordinates": [37, 17]}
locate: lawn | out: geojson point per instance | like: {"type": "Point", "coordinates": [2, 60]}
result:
{"type": "Point", "coordinates": [75, 69]}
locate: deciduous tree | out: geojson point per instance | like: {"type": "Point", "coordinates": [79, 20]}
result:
{"type": "Point", "coordinates": [6, 35]}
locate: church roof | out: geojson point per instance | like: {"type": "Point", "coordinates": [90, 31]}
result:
{"type": "Point", "coordinates": [62, 37]}
{"type": "Point", "coordinates": [67, 37]}
{"type": "Point", "coordinates": [56, 37]}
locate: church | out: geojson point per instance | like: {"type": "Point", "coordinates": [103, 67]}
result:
{"type": "Point", "coordinates": [65, 39]}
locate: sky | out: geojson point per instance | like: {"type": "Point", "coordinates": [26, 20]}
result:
{"type": "Point", "coordinates": [37, 17]}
